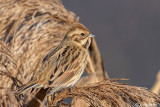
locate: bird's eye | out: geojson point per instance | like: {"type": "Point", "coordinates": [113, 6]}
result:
{"type": "Point", "coordinates": [82, 34]}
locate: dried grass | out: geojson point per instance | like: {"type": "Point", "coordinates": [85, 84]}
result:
{"type": "Point", "coordinates": [111, 94]}
{"type": "Point", "coordinates": [156, 86]}
{"type": "Point", "coordinates": [29, 29]}
{"type": "Point", "coordinates": [9, 100]}
{"type": "Point", "coordinates": [7, 67]}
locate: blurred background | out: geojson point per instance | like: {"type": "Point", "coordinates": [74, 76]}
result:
{"type": "Point", "coordinates": [127, 33]}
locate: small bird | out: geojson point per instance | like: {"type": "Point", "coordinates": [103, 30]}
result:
{"type": "Point", "coordinates": [63, 66]}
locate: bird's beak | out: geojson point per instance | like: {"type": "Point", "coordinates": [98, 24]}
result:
{"type": "Point", "coordinates": [91, 35]}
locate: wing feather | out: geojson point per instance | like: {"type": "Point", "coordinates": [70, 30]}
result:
{"type": "Point", "coordinates": [61, 66]}
{"type": "Point", "coordinates": [66, 69]}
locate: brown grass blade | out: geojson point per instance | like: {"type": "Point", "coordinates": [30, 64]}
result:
{"type": "Point", "coordinates": [111, 93]}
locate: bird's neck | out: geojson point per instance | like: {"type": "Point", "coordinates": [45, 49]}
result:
{"type": "Point", "coordinates": [86, 43]}
{"type": "Point", "coordinates": [83, 44]}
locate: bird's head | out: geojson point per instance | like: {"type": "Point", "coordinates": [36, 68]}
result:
{"type": "Point", "coordinates": [80, 35]}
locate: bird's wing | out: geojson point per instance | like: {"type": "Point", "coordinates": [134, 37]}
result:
{"type": "Point", "coordinates": [51, 53]}
{"type": "Point", "coordinates": [65, 80]}
{"type": "Point", "coordinates": [63, 60]}
{"type": "Point", "coordinates": [69, 63]}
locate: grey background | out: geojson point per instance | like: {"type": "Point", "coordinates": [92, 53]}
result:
{"type": "Point", "coordinates": [127, 33]}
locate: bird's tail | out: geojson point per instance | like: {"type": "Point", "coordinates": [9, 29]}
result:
{"type": "Point", "coordinates": [27, 86]}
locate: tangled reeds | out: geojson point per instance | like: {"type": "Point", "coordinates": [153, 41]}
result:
{"type": "Point", "coordinates": [109, 93]}
{"type": "Point", "coordinates": [29, 29]}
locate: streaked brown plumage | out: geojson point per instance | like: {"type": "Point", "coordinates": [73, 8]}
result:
{"type": "Point", "coordinates": [64, 65]}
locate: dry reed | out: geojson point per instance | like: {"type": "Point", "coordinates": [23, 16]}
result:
{"type": "Point", "coordinates": [156, 86]}
{"type": "Point", "coordinates": [29, 29]}
{"type": "Point", "coordinates": [111, 94]}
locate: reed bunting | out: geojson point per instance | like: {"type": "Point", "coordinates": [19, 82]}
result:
{"type": "Point", "coordinates": [64, 65]}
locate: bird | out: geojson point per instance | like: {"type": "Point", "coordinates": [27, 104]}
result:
{"type": "Point", "coordinates": [63, 66]}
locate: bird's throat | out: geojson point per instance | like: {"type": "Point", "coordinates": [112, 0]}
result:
{"type": "Point", "coordinates": [86, 43]}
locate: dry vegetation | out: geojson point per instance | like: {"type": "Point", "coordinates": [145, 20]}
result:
{"type": "Point", "coordinates": [156, 86]}
{"type": "Point", "coordinates": [29, 29]}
